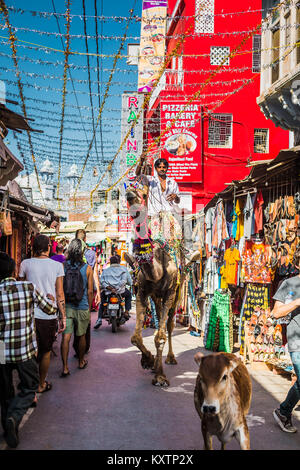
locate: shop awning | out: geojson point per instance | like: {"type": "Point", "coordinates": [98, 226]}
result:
{"type": "Point", "coordinates": [10, 166]}
{"type": "Point", "coordinates": [261, 173]}
{"type": "Point", "coordinates": [18, 204]}
{"type": "Point", "coordinates": [94, 237]}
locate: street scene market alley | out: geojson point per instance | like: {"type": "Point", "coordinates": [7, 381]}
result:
{"type": "Point", "coordinates": [113, 405]}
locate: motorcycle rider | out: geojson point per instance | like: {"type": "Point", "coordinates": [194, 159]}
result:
{"type": "Point", "coordinates": [113, 280]}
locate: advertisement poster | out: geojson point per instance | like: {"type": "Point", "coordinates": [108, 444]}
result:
{"type": "Point", "coordinates": [152, 44]}
{"type": "Point", "coordinates": [181, 141]}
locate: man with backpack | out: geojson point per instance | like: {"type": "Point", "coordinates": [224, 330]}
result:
{"type": "Point", "coordinates": [78, 289]}
{"type": "Point", "coordinates": [89, 257]}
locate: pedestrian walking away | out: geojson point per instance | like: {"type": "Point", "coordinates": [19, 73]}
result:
{"type": "Point", "coordinates": [18, 346]}
{"type": "Point", "coordinates": [47, 275]}
{"type": "Point", "coordinates": [287, 305]}
{"type": "Point", "coordinates": [78, 288]}
{"type": "Point", "coordinates": [89, 257]}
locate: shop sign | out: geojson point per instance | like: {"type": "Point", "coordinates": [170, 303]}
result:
{"type": "Point", "coordinates": [181, 140]}
{"type": "Point", "coordinates": [132, 113]}
{"type": "Point", "coordinates": [152, 44]}
{"type": "Point", "coordinates": [124, 223]}
{"type": "Point", "coordinates": [112, 225]}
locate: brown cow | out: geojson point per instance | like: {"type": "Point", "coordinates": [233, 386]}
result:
{"type": "Point", "coordinates": [222, 398]}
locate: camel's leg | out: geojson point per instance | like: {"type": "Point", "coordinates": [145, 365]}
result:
{"type": "Point", "coordinates": [147, 360]}
{"type": "Point", "coordinates": [160, 340]}
{"type": "Point", "coordinates": [170, 327]}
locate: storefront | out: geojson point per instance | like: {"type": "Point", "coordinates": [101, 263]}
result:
{"type": "Point", "coordinates": [247, 236]}
{"type": "Point", "coordinates": [19, 222]}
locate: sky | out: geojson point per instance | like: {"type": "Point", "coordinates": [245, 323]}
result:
{"type": "Point", "coordinates": [42, 81]}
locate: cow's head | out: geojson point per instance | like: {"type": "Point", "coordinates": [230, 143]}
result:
{"type": "Point", "coordinates": [215, 375]}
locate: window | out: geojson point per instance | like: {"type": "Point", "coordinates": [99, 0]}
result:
{"type": "Point", "coordinates": [204, 16]}
{"type": "Point", "coordinates": [256, 53]}
{"type": "Point", "coordinates": [218, 55]}
{"type": "Point", "coordinates": [220, 131]}
{"type": "Point", "coordinates": [261, 140]}
{"type": "Point", "coordinates": [275, 53]}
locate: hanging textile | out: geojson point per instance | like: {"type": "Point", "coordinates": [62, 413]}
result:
{"type": "Point", "coordinates": [258, 213]}
{"type": "Point", "coordinates": [211, 275]}
{"type": "Point", "coordinates": [240, 220]}
{"type": "Point", "coordinates": [220, 231]}
{"type": "Point", "coordinates": [256, 297]}
{"type": "Point", "coordinates": [209, 219]}
{"type": "Point", "coordinates": [248, 218]}
{"type": "Point", "coordinates": [220, 334]}
{"type": "Point", "coordinates": [256, 265]}
{"type": "Point", "coordinates": [231, 258]}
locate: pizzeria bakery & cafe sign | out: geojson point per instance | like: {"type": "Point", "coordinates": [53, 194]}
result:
{"type": "Point", "coordinates": [181, 143]}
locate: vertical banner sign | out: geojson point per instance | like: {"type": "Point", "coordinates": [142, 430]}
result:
{"type": "Point", "coordinates": [152, 44]}
{"type": "Point", "coordinates": [124, 223]}
{"type": "Point", "coordinates": [181, 144]}
{"type": "Point", "coordinates": [132, 104]}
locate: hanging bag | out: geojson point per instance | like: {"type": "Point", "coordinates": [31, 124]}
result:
{"type": "Point", "coordinates": [5, 218]}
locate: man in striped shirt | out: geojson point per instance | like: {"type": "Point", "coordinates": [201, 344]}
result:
{"type": "Point", "coordinates": [17, 346]}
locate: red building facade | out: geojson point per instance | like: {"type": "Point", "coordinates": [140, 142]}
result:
{"type": "Point", "coordinates": [219, 128]}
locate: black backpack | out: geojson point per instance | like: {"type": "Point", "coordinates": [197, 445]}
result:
{"type": "Point", "coordinates": [73, 283]}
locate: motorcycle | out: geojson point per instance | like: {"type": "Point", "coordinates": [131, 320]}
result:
{"type": "Point", "coordinates": [114, 309]}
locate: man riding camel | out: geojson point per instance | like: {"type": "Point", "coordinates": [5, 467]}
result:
{"type": "Point", "coordinates": [163, 200]}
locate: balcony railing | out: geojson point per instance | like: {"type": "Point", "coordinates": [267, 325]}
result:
{"type": "Point", "coordinates": [174, 80]}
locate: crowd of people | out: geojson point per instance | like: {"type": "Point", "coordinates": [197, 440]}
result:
{"type": "Point", "coordinates": [54, 293]}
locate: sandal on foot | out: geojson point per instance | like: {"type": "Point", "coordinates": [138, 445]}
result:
{"type": "Point", "coordinates": [65, 374]}
{"type": "Point", "coordinates": [84, 365]}
{"type": "Point", "coordinates": [47, 388]}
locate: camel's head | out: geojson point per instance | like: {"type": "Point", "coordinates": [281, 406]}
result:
{"type": "Point", "coordinates": [137, 191]}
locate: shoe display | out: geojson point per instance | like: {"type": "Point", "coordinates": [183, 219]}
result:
{"type": "Point", "coordinates": [284, 422]}
{"type": "Point", "coordinates": [98, 324]}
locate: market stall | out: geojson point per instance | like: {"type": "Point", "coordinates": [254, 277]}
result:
{"type": "Point", "coordinates": [248, 235]}
{"type": "Point", "coordinates": [20, 221]}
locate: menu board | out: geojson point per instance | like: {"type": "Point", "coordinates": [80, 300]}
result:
{"type": "Point", "coordinates": [181, 140]}
{"type": "Point", "coordinates": [152, 44]}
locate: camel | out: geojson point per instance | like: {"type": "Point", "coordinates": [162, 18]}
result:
{"type": "Point", "coordinates": [158, 279]}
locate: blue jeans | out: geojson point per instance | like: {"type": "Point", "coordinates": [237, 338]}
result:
{"type": "Point", "coordinates": [293, 395]}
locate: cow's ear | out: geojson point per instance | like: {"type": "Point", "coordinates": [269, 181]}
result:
{"type": "Point", "coordinates": [234, 363]}
{"type": "Point", "coordinates": [198, 358]}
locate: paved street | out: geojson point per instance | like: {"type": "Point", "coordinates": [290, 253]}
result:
{"type": "Point", "coordinates": [113, 405]}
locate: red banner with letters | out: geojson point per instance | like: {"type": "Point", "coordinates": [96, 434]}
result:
{"type": "Point", "coordinates": [181, 140]}
{"type": "Point", "coordinates": [124, 223]}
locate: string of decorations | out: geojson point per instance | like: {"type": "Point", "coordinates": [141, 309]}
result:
{"type": "Point", "coordinates": [64, 93]}
{"type": "Point", "coordinates": [89, 73]}
{"type": "Point", "coordinates": [103, 102]}
{"type": "Point", "coordinates": [41, 47]}
{"type": "Point", "coordinates": [137, 38]}
{"type": "Point", "coordinates": [44, 14]}
{"type": "Point", "coordinates": [12, 38]}
{"type": "Point", "coordinates": [194, 97]}
{"type": "Point", "coordinates": [96, 82]}
{"type": "Point", "coordinates": [174, 53]}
